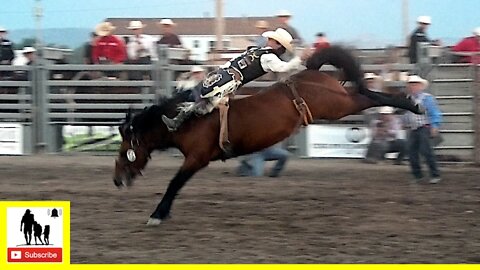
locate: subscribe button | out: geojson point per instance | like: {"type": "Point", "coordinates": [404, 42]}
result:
{"type": "Point", "coordinates": [36, 255]}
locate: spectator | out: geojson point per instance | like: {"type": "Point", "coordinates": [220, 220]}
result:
{"type": "Point", "coordinates": [141, 48]}
{"type": "Point", "coordinates": [6, 52]}
{"type": "Point", "coordinates": [169, 37]}
{"type": "Point", "coordinates": [254, 164]}
{"type": "Point", "coordinates": [88, 49]}
{"type": "Point", "coordinates": [321, 42]}
{"type": "Point", "coordinates": [108, 48]}
{"type": "Point", "coordinates": [422, 129]}
{"type": "Point", "coordinates": [386, 137]}
{"type": "Point", "coordinates": [419, 35]}
{"type": "Point", "coordinates": [284, 17]}
{"type": "Point", "coordinates": [469, 44]}
{"type": "Point", "coordinates": [29, 57]}
{"type": "Point", "coordinates": [260, 26]}
{"type": "Point", "coordinates": [188, 80]}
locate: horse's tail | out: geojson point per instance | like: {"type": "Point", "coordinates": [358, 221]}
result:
{"type": "Point", "coordinates": [341, 59]}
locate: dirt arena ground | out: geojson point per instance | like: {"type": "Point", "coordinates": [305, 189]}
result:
{"type": "Point", "coordinates": [320, 211]}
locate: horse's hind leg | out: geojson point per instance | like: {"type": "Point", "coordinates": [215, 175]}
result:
{"type": "Point", "coordinates": [398, 101]}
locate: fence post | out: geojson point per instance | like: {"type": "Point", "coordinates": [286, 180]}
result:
{"type": "Point", "coordinates": [162, 80]}
{"type": "Point", "coordinates": [476, 117]}
{"type": "Point", "coordinates": [39, 88]}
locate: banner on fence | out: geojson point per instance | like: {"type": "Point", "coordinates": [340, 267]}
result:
{"type": "Point", "coordinates": [11, 139]}
{"type": "Point", "coordinates": [337, 141]}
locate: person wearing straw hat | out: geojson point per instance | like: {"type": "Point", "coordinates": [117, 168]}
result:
{"type": "Point", "coordinates": [469, 44]}
{"type": "Point", "coordinates": [250, 65]}
{"type": "Point", "coordinates": [108, 48]}
{"type": "Point", "coordinates": [168, 35]}
{"type": "Point", "coordinates": [188, 80]}
{"type": "Point", "coordinates": [140, 47]}
{"type": "Point", "coordinates": [423, 129]}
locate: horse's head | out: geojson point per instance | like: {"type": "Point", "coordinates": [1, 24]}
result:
{"type": "Point", "coordinates": [133, 155]}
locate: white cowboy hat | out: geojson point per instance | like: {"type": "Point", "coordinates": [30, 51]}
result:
{"type": "Point", "coordinates": [3, 29]}
{"type": "Point", "coordinates": [417, 79]}
{"type": "Point", "coordinates": [166, 22]}
{"type": "Point", "coordinates": [132, 25]}
{"type": "Point", "coordinates": [282, 36]}
{"type": "Point", "coordinates": [370, 76]}
{"type": "Point", "coordinates": [476, 31]}
{"type": "Point", "coordinates": [104, 29]}
{"type": "Point", "coordinates": [262, 24]}
{"type": "Point", "coordinates": [28, 50]}
{"type": "Point", "coordinates": [424, 19]}
{"type": "Point", "coordinates": [196, 69]}
{"type": "Point", "coordinates": [283, 13]}
{"type": "Point", "coordinates": [385, 110]}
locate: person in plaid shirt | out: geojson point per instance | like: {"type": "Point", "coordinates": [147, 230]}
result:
{"type": "Point", "coordinates": [422, 128]}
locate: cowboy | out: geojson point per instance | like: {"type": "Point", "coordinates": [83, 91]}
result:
{"type": "Point", "coordinates": [469, 44]}
{"type": "Point", "coordinates": [108, 48]}
{"type": "Point", "coordinates": [250, 65]}
{"type": "Point", "coordinates": [423, 129]}
{"type": "Point", "coordinates": [140, 47]}
{"type": "Point", "coordinates": [169, 37]}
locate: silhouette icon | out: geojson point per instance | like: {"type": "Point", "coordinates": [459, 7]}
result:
{"type": "Point", "coordinates": [37, 232]}
{"type": "Point", "coordinates": [27, 224]}
{"type": "Point", "coordinates": [46, 234]}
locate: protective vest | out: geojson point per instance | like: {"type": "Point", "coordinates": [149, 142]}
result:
{"type": "Point", "coordinates": [248, 64]}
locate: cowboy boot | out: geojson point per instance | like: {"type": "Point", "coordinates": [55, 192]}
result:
{"type": "Point", "coordinates": [174, 124]}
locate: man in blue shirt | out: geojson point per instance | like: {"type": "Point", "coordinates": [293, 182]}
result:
{"type": "Point", "coordinates": [422, 128]}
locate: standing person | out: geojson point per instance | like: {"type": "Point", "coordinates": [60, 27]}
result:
{"type": "Point", "coordinates": [321, 42]}
{"type": "Point", "coordinates": [422, 128]}
{"type": "Point", "coordinates": [29, 57]}
{"type": "Point", "coordinates": [6, 52]}
{"type": "Point", "coordinates": [27, 226]}
{"type": "Point", "coordinates": [141, 49]}
{"type": "Point", "coordinates": [373, 82]}
{"type": "Point", "coordinates": [239, 71]}
{"type": "Point", "coordinates": [108, 48]}
{"type": "Point", "coordinates": [419, 35]}
{"type": "Point", "coordinates": [469, 44]}
{"type": "Point", "coordinates": [284, 17]}
{"type": "Point", "coordinates": [168, 35]}
{"type": "Point", "coordinates": [261, 26]}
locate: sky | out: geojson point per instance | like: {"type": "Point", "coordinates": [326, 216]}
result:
{"type": "Point", "coordinates": [341, 20]}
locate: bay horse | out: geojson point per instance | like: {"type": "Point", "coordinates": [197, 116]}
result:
{"type": "Point", "coordinates": [255, 122]}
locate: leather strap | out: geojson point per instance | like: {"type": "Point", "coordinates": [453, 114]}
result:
{"type": "Point", "coordinates": [300, 104]}
{"type": "Point", "coordinates": [223, 141]}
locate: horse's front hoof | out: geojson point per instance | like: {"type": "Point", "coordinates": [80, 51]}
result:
{"type": "Point", "coordinates": [154, 222]}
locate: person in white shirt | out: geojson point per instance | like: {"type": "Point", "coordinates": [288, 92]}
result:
{"type": "Point", "coordinates": [240, 70]}
{"type": "Point", "coordinates": [140, 47]}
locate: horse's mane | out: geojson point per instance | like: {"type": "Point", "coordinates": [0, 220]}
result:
{"type": "Point", "coordinates": [340, 58]}
{"type": "Point", "coordinates": [151, 116]}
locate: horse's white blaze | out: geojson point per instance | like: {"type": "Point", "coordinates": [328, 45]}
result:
{"type": "Point", "coordinates": [154, 222]}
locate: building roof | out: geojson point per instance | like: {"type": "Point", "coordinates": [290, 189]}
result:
{"type": "Point", "coordinates": [195, 26]}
